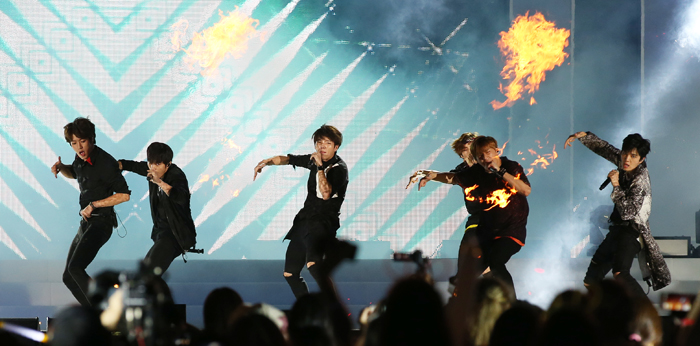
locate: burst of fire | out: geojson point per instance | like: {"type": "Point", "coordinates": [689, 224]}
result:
{"type": "Point", "coordinates": [209, 48]}
{"type": "Point", "coordinates": [544, 160]}
{"type": "Point", "coordinates": [231, 144]}
{"type": "Point", "coordinates": [531, 47]}
{"type": "Point", "coordinates": [502, 149]}
{"type": "Point", "coordinates": [499, 198]}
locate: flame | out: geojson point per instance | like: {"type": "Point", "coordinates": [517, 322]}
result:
{"type": "Point", "coordinates": [531, 46]}
{"type": "Point", "coordinates": [542, 161]}
{"type": "Point", "coordinates": [467, 192]}
{"type": "Point", "coordinates": [502, 149]}
{"type": "Point", "coordinates": [499, 198]}
{"type": "Point", "coordinates": [231, 144]}
{"type": "Point", "coordinates": [209, 48]}
{"type": "Point", "coordinates": [205, 177]}
{"type": "Point", "coordinates": [178, 34]}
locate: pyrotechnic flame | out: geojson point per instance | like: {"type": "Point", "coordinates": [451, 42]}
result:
{"type": "Point", "coordinates": [531, 46]}
{"type": "Point", "coordinates": [209, 48]}
{"type": "Point", "coordinates": [502, 149]}
{"type": "Point", "coordinates": [467, 192]}
{"type": "Point", "coordinates": [499, 198]}
{"type": "Point", "coordinates": [544, 160]}
{"type": "Point", "coordinates": [231, 144]}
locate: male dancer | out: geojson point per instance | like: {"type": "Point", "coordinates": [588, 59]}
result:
{"type": "Point", "coordinates": [169, 193]}
{"type": "Point", "coordinates": [501, 231]}
{"type": "Point", "coordinates": [629, 222]}
{"type": "Point", "coordinates": [101, 187]}
{"type": "Point", "coordinates": [462, 147]}
{"type": "Point", "coordinates": [316, 223]}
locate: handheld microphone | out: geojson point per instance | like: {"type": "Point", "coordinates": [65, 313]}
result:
{"type": "Point", "coordinates": [605, 183]}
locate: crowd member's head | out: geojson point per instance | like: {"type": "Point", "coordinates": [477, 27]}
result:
{"type": "Point", "coordinates": [646, 327]}
{"type": "Point", "coordinates": [78, 326]}
{"type": "Point", "coordinates": [569, 326]}
{"type": "Point", "coordinates": [413, 315]}
{"type": "Point", "coordinates": [569, 321]}
{"type": "Point", "coordinates": [250, 328]}
{"type": "Point", "coordinates": [634, 150]}
{"type": "Point", "coordinates": [462, 146]}
{"type": "Point", "coordinates": [316, 319]}
{"type": "Point", "coordinates": [570, 299]}
{"type": "Point", "coordinates": [80, 134]}
{"type": "Point", "coordinates": [613, 309]}
{"type": "Point", "coordinates": [493, 297]}
{"type": "Point", "coordinates": [218, 308]}
{"type": "Point", "coordinates": [517, 326]}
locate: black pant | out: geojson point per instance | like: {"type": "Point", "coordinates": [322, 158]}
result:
{"type": "Point", "coordinates": [616, 252]}
{"type": "Point", "coordinates": [92, 235]}
{"type": "Point", "coordinates": [165, 249]}
{"type": "Point", "coordinates": [469, 234]}
{"type": "Point", "coordinates": [306, 244]}
{"type": "Point", "coordinates": [495, 253]}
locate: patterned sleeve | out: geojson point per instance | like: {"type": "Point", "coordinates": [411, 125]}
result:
{"type": "Point", "coordinates": [303, 161]}
{"type": "Point", "coordinates": [634, 203]}
{"type": "Point", "coordinates": [601, 147]}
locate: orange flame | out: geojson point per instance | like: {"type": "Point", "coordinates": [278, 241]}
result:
{"type": "Point", "coordinates": [231, 144]}
{"type": "Point", "coordinates": [499, 198]}
{"type": "Point", "coordinates": [502, 149]}
{"type": "Point", "coordinates": [227, 37]}
{"type": "Point", "coordinates": [542, 160]}
{"type": "Point", "coordinates": [467, 192]}
{"type": "Point", "coordinates": [531, 46]}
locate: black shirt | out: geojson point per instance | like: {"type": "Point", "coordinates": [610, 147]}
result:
{"type": "Point", "coordinates": [99, 178]}
{"type": "Point", "coordinates": [327, 211]}
{"type": "Point", "coordinates": [473, 207]}
{"type": "Point", "coordinates": [171, 213]}
{"type": "Point", "coordinates": [500, 222]}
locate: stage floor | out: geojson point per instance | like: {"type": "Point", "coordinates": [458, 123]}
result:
{"type": "Point", "coordinates": [35, 289]}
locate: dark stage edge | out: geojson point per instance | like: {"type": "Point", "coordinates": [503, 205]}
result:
{"type": "Point", "coordinates": [34, 288]}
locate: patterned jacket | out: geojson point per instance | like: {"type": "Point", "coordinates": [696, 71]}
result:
{"type": "Point", "coordinates": [633, 202]}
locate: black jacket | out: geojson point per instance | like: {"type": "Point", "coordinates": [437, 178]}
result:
{"type": "Point", "coordinates": [178, 211]}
